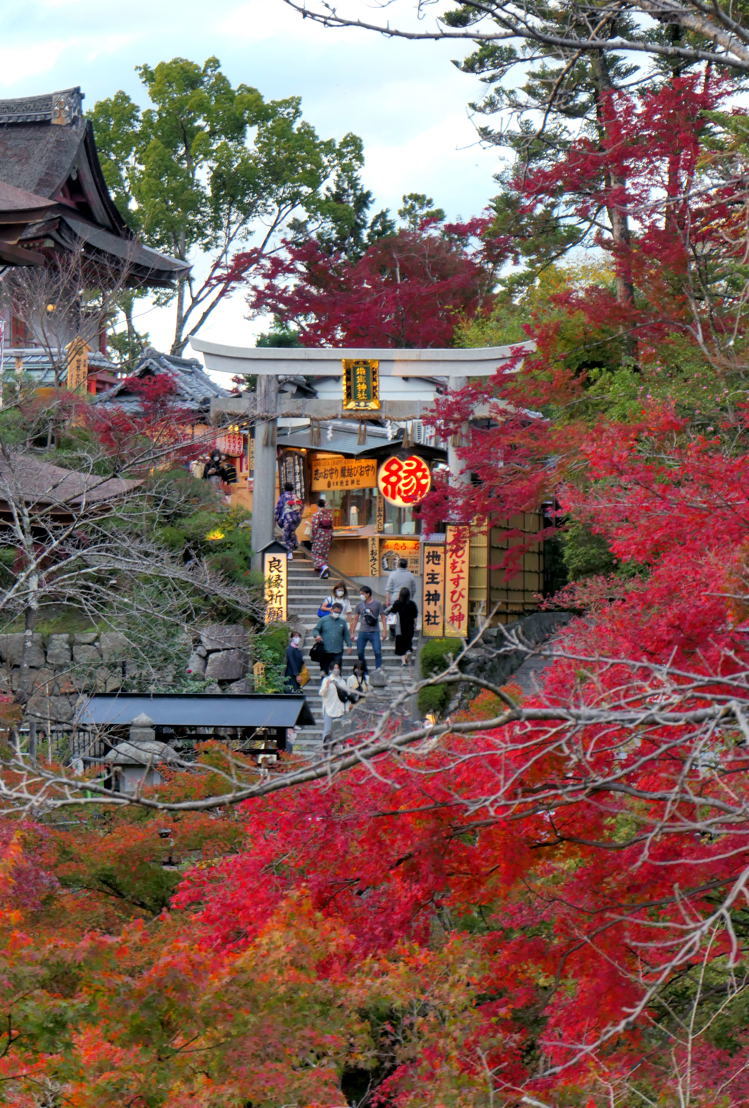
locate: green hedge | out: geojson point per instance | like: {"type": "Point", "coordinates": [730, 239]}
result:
{"type": "Point", "coordinates": [435, 657]}
{"type": "Point", "coordinates": [269, 647]}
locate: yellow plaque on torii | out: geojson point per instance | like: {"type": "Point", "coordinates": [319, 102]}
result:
{"type": "Point", "coordinates": [361, 384]}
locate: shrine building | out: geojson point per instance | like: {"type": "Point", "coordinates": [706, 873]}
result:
{"type": "Point", "coordinates": [59, 223]}
{"type": "Point", "coordinates": [347, 425]}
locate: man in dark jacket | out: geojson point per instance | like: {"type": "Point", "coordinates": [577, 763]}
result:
{"type": "Point", "coordinates": [332, 631]}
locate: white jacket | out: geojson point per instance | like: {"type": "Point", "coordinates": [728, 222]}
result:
{"type": "Point", "coordinates": [332, 705]}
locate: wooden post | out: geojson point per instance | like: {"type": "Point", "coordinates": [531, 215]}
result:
{"type": "Point", "coordinates": [264, 471]}
{"type": "Point", "coordinates": [458, 474]}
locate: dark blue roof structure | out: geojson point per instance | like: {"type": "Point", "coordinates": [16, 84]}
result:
{"type": "Point", "coordinates": [198, 710]}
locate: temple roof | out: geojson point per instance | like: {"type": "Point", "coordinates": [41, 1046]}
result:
{"type": "Point", "coordinates": [42, 364]}
{"type": "Point", "coordinates": [52, 188]}
{"type": "Point", "coordinates": [46, 487]}
{"type": "Point", "coordinates": [195, 389]}
{"type": "Point", "coordinates": [195, 710]}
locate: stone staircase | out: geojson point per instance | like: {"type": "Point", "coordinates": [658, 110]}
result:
{"type": "Point", "coordinates": [306, 592]}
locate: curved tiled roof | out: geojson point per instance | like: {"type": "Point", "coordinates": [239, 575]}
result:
{"type": "Point", "coordinates": [48, 153]}
{"type": "Point", "coordinates": [195, 389]}
{"type": "Point", "coordinates": [43, 485]}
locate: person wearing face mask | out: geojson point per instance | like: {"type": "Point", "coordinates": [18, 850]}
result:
{"type": "Point", "coordinates": [339, 594]}
{"type": "Point", "coordinates": [294, 663]}
{"type": "Point", "coordinates": [333, 632]}
{"type": "Point", "coordinates": [333, 707]}
{"type": "Point", "coordinates": [213, 470]}
{"type": "Point", "coordinates": [368, 615]}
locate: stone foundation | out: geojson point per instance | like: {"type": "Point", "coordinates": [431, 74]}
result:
{"type": "Point", "coordinates": [62, 667]}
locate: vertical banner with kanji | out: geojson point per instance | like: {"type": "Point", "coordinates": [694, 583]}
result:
{"type": "Point", "coordinates": [292, 470]}
{"type": "Point", "coordinates": [433, 590]}
{"type": "Point", "coordinates": [373, 555]}
{"type": "Point", "coordinates": [456, 581]}
{"type": "Point", "coordinates": [78, 351]}
{"type": "Point", "coordinates": [275, 572]}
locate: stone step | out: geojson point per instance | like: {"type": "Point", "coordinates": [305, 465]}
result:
{"type": "Point", "coordinates": [306, 592]}
{"type": "Point", "coordinates": [378, 701]}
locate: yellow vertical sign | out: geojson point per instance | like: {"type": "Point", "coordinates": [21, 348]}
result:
{"type": "Point", "coordinates": [433, 590]}
{"type": "Point", "coordinates": [456, 581]}
{"type": "Point", "coordinates": [77, 353]}
{"type": "Point", "coordinates": [275, 573]}
{"type": "Point", "coordinates": [373, 554]}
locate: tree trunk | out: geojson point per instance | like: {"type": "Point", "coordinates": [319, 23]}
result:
{"type": "Point", "coordinates": [617, 212]}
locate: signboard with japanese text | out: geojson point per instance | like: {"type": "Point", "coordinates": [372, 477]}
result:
{"type": "Point", "coordinates": [456, 581]}
{"type": "Point", "coordinates": [373, 556]}
{"type": "Point", "coordinates": [433, 590]}
{"type": "Point", "coordinates": [380, 515]}
{"type": "Point", "coordinates": [392, 550]}
{"type": "Point", "coordinates": [292, 471]}
{"type": "Point", "coordinates": [275, 573]}
{"type": "Point", "coordinates": [361, 384]}
{"type": "Point", "coordinates": [342, 473]}
{"type": "Point", "coordinates": [78, 351]}
{"type": "Point", "coordinates": [231, 442]}
{"type": "Point", "coordinates": [404, 481]}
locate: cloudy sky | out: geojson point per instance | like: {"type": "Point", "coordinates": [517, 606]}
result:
{"type": "Point", "coordinates": [406, 100]}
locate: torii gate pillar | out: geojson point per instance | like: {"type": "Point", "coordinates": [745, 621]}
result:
{"type": "Point", "coordinates": [264, 472]}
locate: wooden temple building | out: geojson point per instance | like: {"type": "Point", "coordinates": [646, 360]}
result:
{"type": "Point", "coordinates": [55, 206]}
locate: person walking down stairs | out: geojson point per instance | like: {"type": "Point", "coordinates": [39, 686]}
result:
{"type": "Point", "coordinates": [406, 612]}
{"type": "Point", "coordinates": [334, 696]}
{"type": "Point", "coordinates": [333, 632]}
{"type": "Point", "coordinates": [368, 615]}
{"type": "Point", "coordinates": [357, 680]}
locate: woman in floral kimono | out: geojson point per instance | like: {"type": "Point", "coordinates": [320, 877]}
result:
{"type": "Point", "coordinates": [322, 536]}
{"type": "Point", "coordinates": [288, 514]}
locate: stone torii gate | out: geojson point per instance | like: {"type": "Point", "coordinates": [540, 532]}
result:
{"type": "Point", "coordinates": [398, 401]}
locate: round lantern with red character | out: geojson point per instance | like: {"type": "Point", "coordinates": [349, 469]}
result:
{"type": "Point", "coordinates": [404, 481]}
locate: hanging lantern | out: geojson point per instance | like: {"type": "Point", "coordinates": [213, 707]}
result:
{"type": "Point", "coordinates": [404, 481]}
{"type": "Point", "coordinates": [231, 442]}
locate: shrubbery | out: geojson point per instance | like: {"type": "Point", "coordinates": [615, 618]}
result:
{"type": "Point", "coordinates": [435, 656]}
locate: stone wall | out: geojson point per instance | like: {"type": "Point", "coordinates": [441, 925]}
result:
{"type": "Point", "coordinates": [221, 656]}
{"type": "Point", "coordinates": [64, 666]}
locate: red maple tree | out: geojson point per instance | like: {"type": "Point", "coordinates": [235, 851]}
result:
{"type": "Point", "coordinates": [409, 289]}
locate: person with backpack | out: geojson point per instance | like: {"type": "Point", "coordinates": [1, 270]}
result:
{"type": "Point", "coordinates": [321, 532]}
{"type": "Point", "coordinates": [368, 615]}
{"type": "Point", "coordinates": [288, 513]}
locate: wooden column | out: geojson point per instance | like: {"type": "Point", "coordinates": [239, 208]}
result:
{"type": "Point", "coordinates": [264, 471]}
{"type": "Point", "coordinates": [458, 475]}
